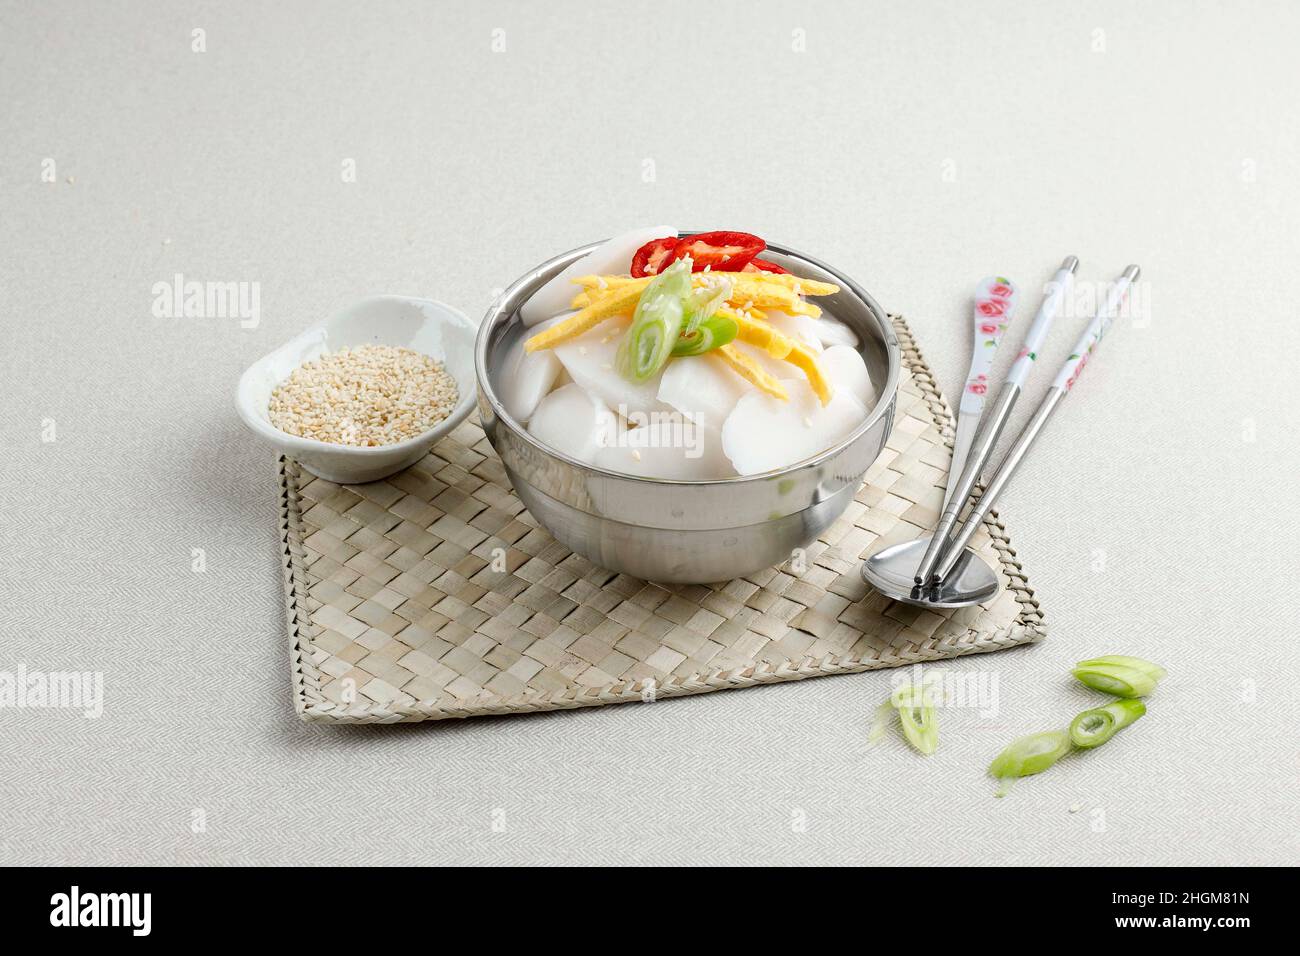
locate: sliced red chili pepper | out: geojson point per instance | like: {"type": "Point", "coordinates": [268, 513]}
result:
{"type": "Point", "coordinates": [653, 256]}
{"type": "Point", "coordinates": [762, 265]}
{"type": "Point", "coordinates": [720, 251]}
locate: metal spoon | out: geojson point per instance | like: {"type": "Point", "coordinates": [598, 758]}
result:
{"type": "Point", "coordinates": [965, 578]}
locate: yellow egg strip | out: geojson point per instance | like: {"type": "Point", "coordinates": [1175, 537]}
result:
{"type": "Point", "coordinates": [748, 369]}
{"type": "Point", "coordinates": [743, 295]}
{"type": "Point", "coordinates": [755, 332]}
{"type": "Point", "coordinates": [757, 286]}
{"type": "Point", "coordinates": [622, 302]}
{"type": "Point", "coordinates": [746, 279]}
{"type": "Point", "coordinates": [800, 307]}
{"type": "Point", "coordinates": [773, 298]}
{"type": "Point", "coordinates": [608, 282]}
{"type": "Point", "coordinates": [805, 359]}
{"type": "Point", "coordinates": [794, 283]}
{"type": "Point", "coordinates": [782, 347]}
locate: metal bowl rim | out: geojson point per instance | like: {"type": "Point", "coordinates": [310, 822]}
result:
{"type": "Point", "coordinates": [884, 401]}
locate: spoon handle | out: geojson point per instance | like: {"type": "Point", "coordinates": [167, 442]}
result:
{"type": "Point", "coordinates": [1065, 380]}
{"type": "Point", "coordinates": [995, 301]}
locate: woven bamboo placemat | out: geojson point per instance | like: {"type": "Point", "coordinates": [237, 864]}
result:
{"type": "Point", "coordinates": [398, 612]}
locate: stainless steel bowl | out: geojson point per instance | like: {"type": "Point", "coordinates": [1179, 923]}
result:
{"type": "Point", "coordinates": [689, 531]}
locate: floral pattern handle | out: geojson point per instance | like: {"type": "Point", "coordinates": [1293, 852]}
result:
{"type": "Point", "coordinates": [995, 300]}
{"type": "Point", "coordinates": [1096, 330]}
{"type": "Point", "coordinates": [1054, 295]}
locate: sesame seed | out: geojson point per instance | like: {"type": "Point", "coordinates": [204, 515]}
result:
{"type": "Point", "coordinates": [368, 396]}
{"type": "Point", "coordinates": [636, 454]}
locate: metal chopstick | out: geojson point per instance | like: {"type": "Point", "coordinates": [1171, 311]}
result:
{"type": "Point", "coordinates": [1064, 381]}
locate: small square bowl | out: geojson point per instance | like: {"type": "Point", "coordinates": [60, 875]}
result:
{"type": "Point", "coordinates": [422, 325]}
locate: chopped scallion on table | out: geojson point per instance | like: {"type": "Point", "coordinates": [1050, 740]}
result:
{"type": "Point", "coordinates": [915, 706]}
{"type": "Point", "coordinates": [1094, 727]}
{"type": "Point", "coordinates": [1119, 675]}
{"type": "Point", "coordinates": [1029, 755]}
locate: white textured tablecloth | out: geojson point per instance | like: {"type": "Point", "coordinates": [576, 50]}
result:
{"type": "Point", "coordinates": [918, 146]}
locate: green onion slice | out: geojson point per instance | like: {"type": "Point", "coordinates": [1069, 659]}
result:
{"type": "Point", "coordinates": [1031, 754]}
{"type": "Point", "coordinates": [1118, 679]}
{"type": "Point", "coordinates": [916, 713]}
{"type": "Point", "coordinates": [1094, 727]}
{"type": "Point", "coordinates": [1154, 671]}
{"type": "Point", "coordinates": [915, 706]}
{"type": "Point", "coordinates": [702, 302]}
{"type": "Point", "coordinates": [711, 333]}
{"type": "Point", "coordinates": [649, 341]}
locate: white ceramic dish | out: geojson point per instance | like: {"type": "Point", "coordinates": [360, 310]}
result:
{"type": "Point", "coordinates": [433, 328]}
